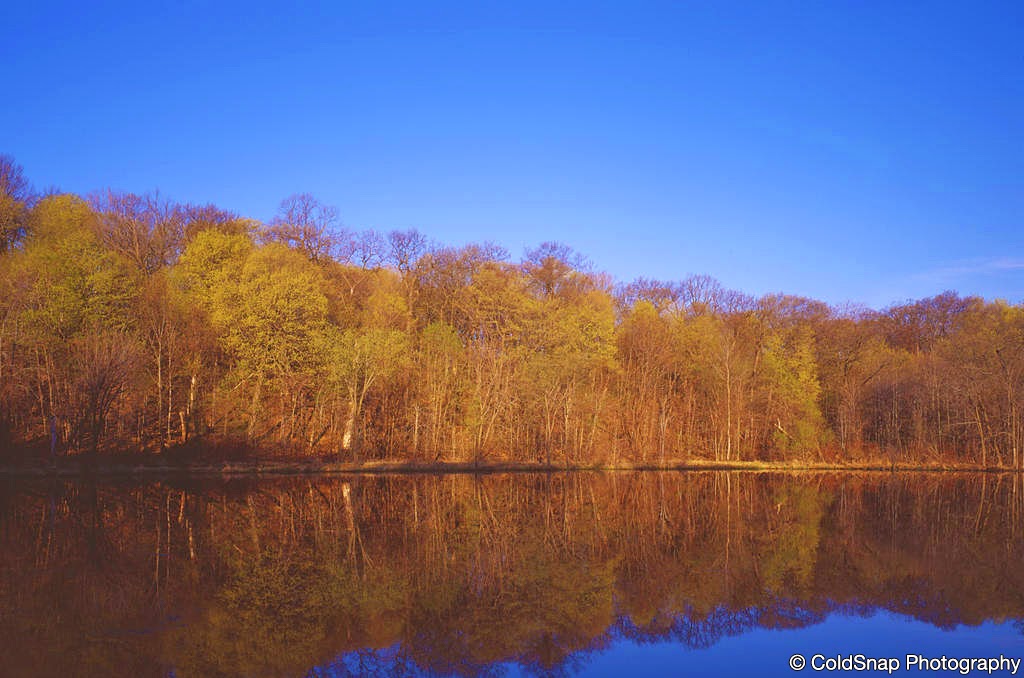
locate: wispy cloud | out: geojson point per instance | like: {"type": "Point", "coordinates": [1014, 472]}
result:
{"type": "Point", "coordinates": [983, 266]}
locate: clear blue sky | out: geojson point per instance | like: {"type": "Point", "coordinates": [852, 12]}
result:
{"type": "Point", "coordinates": [863, 151]}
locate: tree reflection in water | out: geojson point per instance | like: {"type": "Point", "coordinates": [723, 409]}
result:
{"type": "Point", "coordinates": [464, 574]}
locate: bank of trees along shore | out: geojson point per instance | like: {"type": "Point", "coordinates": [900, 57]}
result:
{"type": "Point", "coordinates": [130, 322]}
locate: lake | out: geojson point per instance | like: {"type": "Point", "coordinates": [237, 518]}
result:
{"type": "Point", "coordinates": [642, 573]}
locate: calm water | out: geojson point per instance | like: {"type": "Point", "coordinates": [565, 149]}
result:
{"type": "Point", "coordinates": [565, 574]}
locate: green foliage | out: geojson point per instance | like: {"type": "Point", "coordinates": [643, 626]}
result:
{"type": "Point", "coordinates": [440, 339]}
{"type": "Point", "coordinates": [266, 303]}
{"type": "Point", "coordinates": [791, 379]}
{"type": "Point", "coordinates": [213, 259]}
{"type": "Point", "coordinates": [74, 283]}
{"type": "Point", "coordinates": [360, 358]}
{"type": "Point", "coordinates": [272, 317]}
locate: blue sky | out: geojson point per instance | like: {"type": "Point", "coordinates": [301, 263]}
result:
{"type": "Point", "coordinates": [870, 152]}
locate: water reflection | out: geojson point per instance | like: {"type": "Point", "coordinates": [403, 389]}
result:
{"type": "Point", "coordinates": [484, 575]}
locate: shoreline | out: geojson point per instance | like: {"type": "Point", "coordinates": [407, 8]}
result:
{"type": "Point", "coordinates": [269, 467]}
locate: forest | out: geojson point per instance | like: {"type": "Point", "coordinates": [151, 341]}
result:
{"type": "Point", "coordinates": [131, 323]}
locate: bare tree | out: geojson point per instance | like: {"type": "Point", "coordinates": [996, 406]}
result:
{"type": "Point", "coordinates": [146, 229]}
{"type": "Point", "coordinates": [200, 218]}
{"type": "Point", "coordinates": [366, 249]}
{"type": "Point", "coordinates": [406, 247]}
{"type": "Point", "coordinates": [15, 198]}
{"type": "Point", "coordinates": [103, 365]}
{"type": "Point", "coordinates": [550, 267]}
{"type": "Point", "coordinates": [306, 224]}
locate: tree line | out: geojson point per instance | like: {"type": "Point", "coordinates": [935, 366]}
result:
{"type": "Point", "coordinates": [132, 322]}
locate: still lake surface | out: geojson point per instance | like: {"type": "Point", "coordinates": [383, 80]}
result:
{"type": "Point", "coordinates": [699, 573]}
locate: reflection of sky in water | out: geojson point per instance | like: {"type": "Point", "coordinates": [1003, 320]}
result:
{"type": "Point", "coordinates": [764, 652]}
{"type": "Point", "coordinates": [754, 652]}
